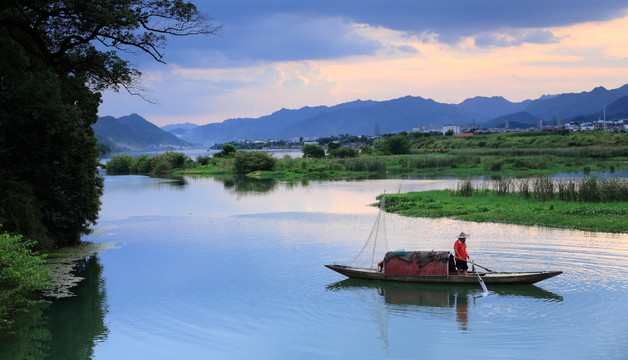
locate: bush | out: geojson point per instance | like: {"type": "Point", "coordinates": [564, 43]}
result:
{"type": "Point", "coordinates": [143, 164]}
{"type": "Point", "coordinates": [203, 159]}
{"type": "Point", "coordinates": [22, 274]}
{"type": "Point", "coordinates": [313, 151]}
{"type": "Point", "coordinates": [160, 166]}
{"type": "Point", "coordinates": [119, 165]}
{"type": "Point", "coordinates": [399, 144]}
{"type": "Point", "coordinates": [228, 150]}
{"type": "Point", "coordinates": [250, 161]}
{"type": "Point", "coordinates": [344, 152]}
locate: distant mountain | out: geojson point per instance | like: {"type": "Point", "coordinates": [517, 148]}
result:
{"type": "Point", "coordinates": [357, 117]}
{"type": "Point", "coordinates": [403, 114]}
{"type": "Point", "coordinates": [173, 127]}
{"type": "Point", "coordinates": [134, 133]}
{"type": "Point", "coordinates": [492, 107]}
{"type": "Point", "coordinates": [179, 130]}
{"type": "Point", "coordinates": [618, 109]}
{"type": "Point", "coordinates": [572, 104]}
{"type": "Point", "coordinates": [520, 120]}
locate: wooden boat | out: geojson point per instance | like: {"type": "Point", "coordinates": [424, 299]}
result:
{"type": "Point", "coordinates": [430, 267]}
{"type": "Point", "coordinates": [490, 278]}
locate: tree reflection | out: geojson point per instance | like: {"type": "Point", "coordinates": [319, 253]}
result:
{"type": "Point", "coordinates": [248, 185]}
{"type": "Point", "coordinates": [66, 328]}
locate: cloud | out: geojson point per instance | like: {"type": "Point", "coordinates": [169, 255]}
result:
{"type": "Point", "coordinates": [451, 19]}
{"type": "Point", "coordinates": [515, 38]}
{"type": "Point", "coordinates": [293, 30]}
{"type": "Point", "coordinates": [289, 53]}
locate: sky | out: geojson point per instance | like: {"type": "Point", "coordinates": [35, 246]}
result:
{"type": "Point", "coordinates": [276, 54]}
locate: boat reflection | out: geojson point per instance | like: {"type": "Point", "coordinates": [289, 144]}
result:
{"type": "Point", "coordinates": [436, 297]}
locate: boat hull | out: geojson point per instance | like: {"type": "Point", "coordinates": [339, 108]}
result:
{"type": "Point", "coordinates": [494, 278]}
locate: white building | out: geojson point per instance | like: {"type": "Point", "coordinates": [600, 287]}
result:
{"type": "Point", "coordinates": [454, 128]}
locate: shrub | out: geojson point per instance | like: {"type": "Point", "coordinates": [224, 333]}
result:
{"type": "Point", "coordinates": [313, 151]}
{"type": "Point", "coordinates": [228, 150]}
{"type": "Point", "coordinates": [344, 152]}
{"type": "Point", "coordinates": [143, 164]}
{"type": "Point", "coordinates": [176, 159]}
{"type": "Point", "coordinates": [119, 165]}
{"type": "Point", "coordinates": [398, 144]}
{"type": "Point", "coordinates": [367, 150]}
{"type": "Point", "coordinates": [203, 159]}
{"type": "Point", "coordinates": [22, 274]}
{"type": "Point", "coordinates": [160, 166]}
{"type": "Point", "coordinates": [249, 161]}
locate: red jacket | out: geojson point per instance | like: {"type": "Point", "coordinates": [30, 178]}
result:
{"type": "Point", "coordinates": [460, 248]}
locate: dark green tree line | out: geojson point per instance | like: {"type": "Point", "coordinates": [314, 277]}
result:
{"type": "Point", "coordinates": [55, 58]}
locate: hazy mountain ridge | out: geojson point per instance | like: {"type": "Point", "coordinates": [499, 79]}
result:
{"type": "Point", "coordinates": [404, 114]}
{"type": "Point", "coordinates": [361, 117]}
{"type": "Point", "coordinates": [134, 133]}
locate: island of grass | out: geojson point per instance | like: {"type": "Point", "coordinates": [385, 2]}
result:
{"type": "Point", "coordinates": [589, 204]}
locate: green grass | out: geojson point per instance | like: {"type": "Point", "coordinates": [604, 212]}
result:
{"type": "Point", "coordinates": [486, 206]}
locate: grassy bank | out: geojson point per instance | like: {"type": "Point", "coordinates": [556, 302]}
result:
{"type": "Point", "coordinates": [491, 206]}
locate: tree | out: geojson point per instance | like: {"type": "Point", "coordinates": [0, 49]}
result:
{"type": "Point", "coordinates": [228, 150]}
{"type": "Point", "coordinates": [344, 152]}
{"type": "Point", "coordinates": [399, 144]}
{"type": "Point", "coordinates": [249, 161]}
{"type": "Point", "coordinates": [333, 146]}
{"type": "Point", "coordinates": [313, 151]}
{"type": "Point", "coordinates": [55, 58]}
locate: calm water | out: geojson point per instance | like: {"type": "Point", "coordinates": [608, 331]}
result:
{"type": "Point", "coordinates": [210, 269]}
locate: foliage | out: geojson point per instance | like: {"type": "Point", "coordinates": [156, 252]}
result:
{"type": "Point", "coordinates": [543, 188]}
{"type": "Point", "coordinates": [398, 144]}
{"type": "Point", "coordinates": [227, 150]}
{"type": "Point", "coordinates": [393, 145]}
{"type": "Point", "coordinates": [487, 205]}
{"type": "Point", "coordinates": [313, 151]}
{"type": "Point", "coordinates": [123, 164]}
{"type": "Point", "coordinates": [250, 161]}
{"type": "Point", "coordinates": [203, 159]}
{"type": "Point", "coordinates": [55, 58]}
{"type": "Point", "coordinates": [22, 274]}
{"type": "Point", "coordinates": [332, 146]}
{"type": "Point", "coordinates": [344, 152]}
{"type": "Point", "coordinates": [48, 145]}
{"type": "Point", "coordinates": [120, 165]}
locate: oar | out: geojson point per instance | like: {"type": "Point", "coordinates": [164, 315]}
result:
{"type": "Point", "coordinates": [487, 269]}
{"type": "Point", "coordinates": [479, 278]}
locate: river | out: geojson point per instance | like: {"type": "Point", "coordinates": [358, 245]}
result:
{"type": "Point", "coordinates": [203, 268]}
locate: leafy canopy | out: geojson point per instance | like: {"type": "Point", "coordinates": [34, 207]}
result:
{"type": "Point", "coordinates": [55, 58]}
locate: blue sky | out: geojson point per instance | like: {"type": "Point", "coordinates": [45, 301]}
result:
{"type": "Point", "coordinates": [289, 54]}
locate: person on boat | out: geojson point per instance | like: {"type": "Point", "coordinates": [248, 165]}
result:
{"type": "Point", "coordinates": [460, 253]}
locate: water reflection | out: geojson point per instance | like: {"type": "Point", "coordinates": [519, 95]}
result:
{"type": "Point", "coordinates": [67, 328]}
{"type": "Point", "coordinates": [409, 297]}
{"type": "Point", "coordinates": [247, 185]}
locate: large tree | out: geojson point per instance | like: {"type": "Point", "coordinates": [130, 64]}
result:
{"type": "Point", "coordinates": [55, 58]}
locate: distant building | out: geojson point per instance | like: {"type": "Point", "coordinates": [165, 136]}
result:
{"type": "Point", "coordinates": [454, 128]}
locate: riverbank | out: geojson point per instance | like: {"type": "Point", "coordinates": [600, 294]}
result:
{"type": "Point", "coordinates": [488, 206]}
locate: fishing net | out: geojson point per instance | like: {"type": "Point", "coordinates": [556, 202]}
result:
{"type": "Point", "coordinates": [376, 244]}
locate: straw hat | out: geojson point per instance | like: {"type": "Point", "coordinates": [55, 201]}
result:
{"type": "Point", "coordinates": [463, 235]}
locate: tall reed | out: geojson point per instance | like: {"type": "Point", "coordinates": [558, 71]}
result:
{"type": "Point", "coordinates": [587, 189]}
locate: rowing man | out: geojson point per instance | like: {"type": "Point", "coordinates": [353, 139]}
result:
{"type": "Point", "coordinates": [460, 253]}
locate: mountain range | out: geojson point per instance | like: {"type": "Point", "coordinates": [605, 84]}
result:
{"type": "Point", "coordinates": [363, 117]}
{"type": "Point", "coordinates": [134, 133]}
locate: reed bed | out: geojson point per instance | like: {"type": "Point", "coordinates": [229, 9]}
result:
{"type": "Point", "coordinates": [586, 189]}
